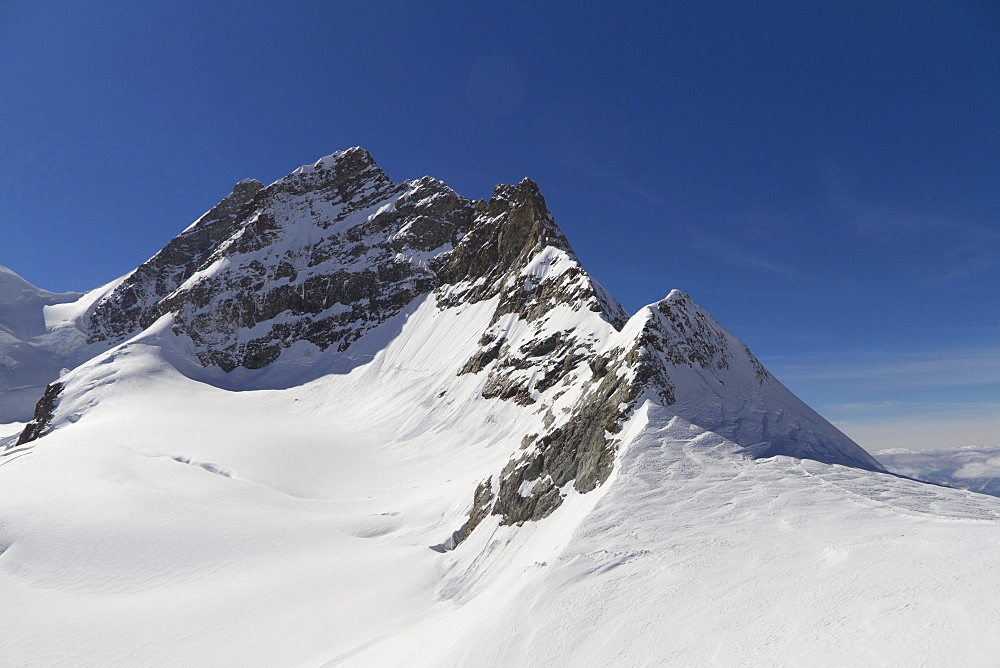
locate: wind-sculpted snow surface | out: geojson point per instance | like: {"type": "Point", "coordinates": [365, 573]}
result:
{"type": "Point", "coordinates": [380, 422]}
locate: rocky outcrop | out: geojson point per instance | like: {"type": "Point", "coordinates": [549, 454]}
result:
{"type": "Point", "coordinates": [511, 230]}
{"type": "Point", "coordinates": [672, 353]}
{"type": "Point", "coordinates": [44, 412]}
{"type": "Point", "coordinates": [323, 255]}
{"type": "Point", "coordinates": [582, 448]}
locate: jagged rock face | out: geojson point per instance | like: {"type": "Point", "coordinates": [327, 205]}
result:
{"type": "Point", "coordinates": [675, 354]}
{"type": "Point", "coordinates": [333, 250]}
{"type": "Point", "coordinates": [512, 229]}
{"type": "Point", "coordinates": [323, 255]}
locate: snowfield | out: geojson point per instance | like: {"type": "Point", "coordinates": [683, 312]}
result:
{"type": "Point", "coordinates": [181, 523]}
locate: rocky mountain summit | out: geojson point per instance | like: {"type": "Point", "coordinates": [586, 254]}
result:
{"type": "Point", "coordinates": [334, 259]}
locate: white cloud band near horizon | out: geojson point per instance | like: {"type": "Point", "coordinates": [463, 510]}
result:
{"type": "Point", "coordinates": [934, 432]}
{"type": "Point", "coordinates": [913, 400]}
{"type": "Point", "coordinates": [964, 366]}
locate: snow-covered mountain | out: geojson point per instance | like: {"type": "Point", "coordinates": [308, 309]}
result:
{"type": "Point", "coordinates": [35, 342]}
{"type": "Point", "coordinates": [342, 418]}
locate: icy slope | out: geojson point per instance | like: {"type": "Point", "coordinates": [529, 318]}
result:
{"type": "Point", "coordinates": [696, 557]}
{"type": "Point", "coordinates": [179, 520]}
{"type": "Point", "coordinates": [183, 524]}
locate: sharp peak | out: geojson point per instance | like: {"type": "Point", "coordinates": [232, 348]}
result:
{"type": "Point", "coordinates": [676, 295]}
{"type": "Point", "coordinates": [524, 186]}
{"type": "Point", "coordinates": [526, 192]}
{"type": "Point", "coordinates": [674, 298]}
{"type": "Point", "coordinates": [676, 301]}
{"type": "Point", "coordinates": [426, 181]}
{"type": "Point", "coordinates": [354, 154]}
{"type": "Point", "coordinates": [245, 188]}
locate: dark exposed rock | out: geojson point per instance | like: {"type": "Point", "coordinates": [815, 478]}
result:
{"type": "Point", "coordinates": [256, 273]}
{"type": "Point", "coordinates": [481, 502]}
{"type": "Point", "coordinates": [134, 303]}
{"type": "Point", "coordinates": [692, 341]}
{"type": "Point", "coordinates": [511, 228]}
{"type": "Point", "coordinates": [44, 411]}
{"type": "Point", "coordinates": [328, 288]}
{"type": "Point", "coordinates": [489, 352]}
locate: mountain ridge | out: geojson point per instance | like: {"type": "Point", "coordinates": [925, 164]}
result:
{"type": "Point", "coordinates": [317, 261]}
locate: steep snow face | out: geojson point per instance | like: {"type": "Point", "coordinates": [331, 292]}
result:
{"type": "Point", "coordinates": [718, 384]}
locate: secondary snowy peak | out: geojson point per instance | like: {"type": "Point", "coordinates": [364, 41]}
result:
{"type": "Point", "coordinates": [21, 305]}
{"type": "Point", "coordinates": [714, 381]}
{"type": "Point", "coordinates": [671, 354]}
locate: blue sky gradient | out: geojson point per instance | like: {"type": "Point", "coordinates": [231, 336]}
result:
{"type": "Point", "coordinates": [823, 177]}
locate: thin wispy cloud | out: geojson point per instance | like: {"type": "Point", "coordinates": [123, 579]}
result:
{"type": "Point", "coordinates": [615, 181]}
{"type": "Point", "coordinates": [914, 412]}
{"type": "Point", "coordinates": [716, 246]}
{"type": "Point", "coordinates": [970, 249]}
{"type": "Point", "coordinates": [970, 366]}
{"type": "Point", "coordinates": [876, 219]}
{"type": "Point", "coordinates": [736, 255]}
{"type": "Point", "coordinates": [973, 467]}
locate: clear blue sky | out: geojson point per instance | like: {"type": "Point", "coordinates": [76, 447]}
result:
{"type": "Point", "coordinates": [824, 177]}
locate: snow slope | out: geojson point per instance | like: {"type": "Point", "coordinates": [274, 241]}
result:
{"type": "Point", "coordinates": [182, 523]}
{"type": "Point", "coordinates": [340, 420]}
{"type": "Point", "coordinates": [696, 557]}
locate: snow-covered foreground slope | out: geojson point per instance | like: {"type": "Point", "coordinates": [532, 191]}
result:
{"type": "Point", "coordinates": [185, 525]}
{"type": "Point", "coordinates": [344, 420]}
{"type": "Point", "coordinates": [694, 557]}
{"type": "Point", "coordinates": [182, 523]}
